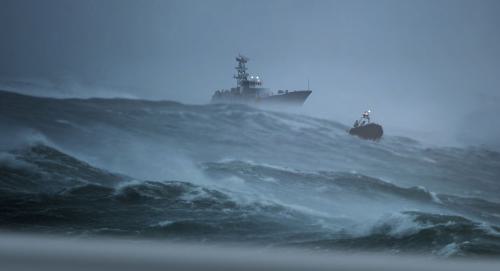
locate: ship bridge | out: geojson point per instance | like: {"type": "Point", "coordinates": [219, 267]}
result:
{"type": "Point", "coordinates": [248, 85]}
{"type": "Point", "coordinates": [253, 82]}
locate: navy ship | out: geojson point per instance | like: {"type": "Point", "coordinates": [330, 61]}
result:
{"type": "Point", "coordinates": [249, 90]}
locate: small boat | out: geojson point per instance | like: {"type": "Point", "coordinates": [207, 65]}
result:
{"type": "Point", "coordinates": [370, 131]}
{"type": "Point", "coordinates": [365, 129]}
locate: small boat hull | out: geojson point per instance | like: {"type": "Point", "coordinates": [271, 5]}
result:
{"type": "Point", "coordinates": [371, 131]}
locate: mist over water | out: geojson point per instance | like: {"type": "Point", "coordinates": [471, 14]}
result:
{"type": "Point", "coordinates": [107, 130]}
{"type": "Point", "coordinates": [233, 173]}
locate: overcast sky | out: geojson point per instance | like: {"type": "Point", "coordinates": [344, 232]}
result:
{"type": "Point", "coordinates": [426, 68]}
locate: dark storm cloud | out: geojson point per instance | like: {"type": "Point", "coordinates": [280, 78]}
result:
{"type": "Point", "coordinates": [428, 69]}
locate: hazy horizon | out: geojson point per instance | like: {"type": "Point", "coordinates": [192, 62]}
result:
{"type": "Point", "coordinates": [427, 69]}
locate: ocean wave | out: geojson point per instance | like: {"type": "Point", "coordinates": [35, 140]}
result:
{"type": "Point", "coordinates": [416, 232]}
{"type": "Point", "coordinates": [232, 172]}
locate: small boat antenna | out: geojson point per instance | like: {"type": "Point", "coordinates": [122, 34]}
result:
{"type": "Point", "coordinates": [308, 84]}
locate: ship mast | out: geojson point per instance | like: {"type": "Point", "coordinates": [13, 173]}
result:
{"type": "Point", "coordinates": [242, 75]}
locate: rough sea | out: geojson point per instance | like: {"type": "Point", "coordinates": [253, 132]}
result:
{"type": "Point", "coordinates": [236, 174]}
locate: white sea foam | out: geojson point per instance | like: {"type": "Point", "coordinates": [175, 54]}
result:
{"type": "Point", "coordinates": [163, 223]}
{"type": "Point", "coordinates": [397, 224]}
{"type": "Point", "coordinates": [449, 250]}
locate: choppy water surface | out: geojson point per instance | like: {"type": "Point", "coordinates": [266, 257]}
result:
{"type": "Point", "coordinates": [229, 173]}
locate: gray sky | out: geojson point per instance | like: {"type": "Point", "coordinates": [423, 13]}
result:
{"type": "Point", "coordinates": [428, 69]}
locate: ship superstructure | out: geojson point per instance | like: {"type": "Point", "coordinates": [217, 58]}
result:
{"type": "Point", "coordinates": [249, 90]}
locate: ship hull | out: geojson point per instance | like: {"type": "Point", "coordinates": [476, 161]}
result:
{"type": "Point", "coordinates": [294, 98]}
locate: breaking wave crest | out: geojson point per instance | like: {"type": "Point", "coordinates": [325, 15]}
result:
{"type": "Point", "coordinates": [237, 174]}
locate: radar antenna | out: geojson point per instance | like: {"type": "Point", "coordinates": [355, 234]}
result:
{"type": "Point", "coordinates": [242, 75]}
